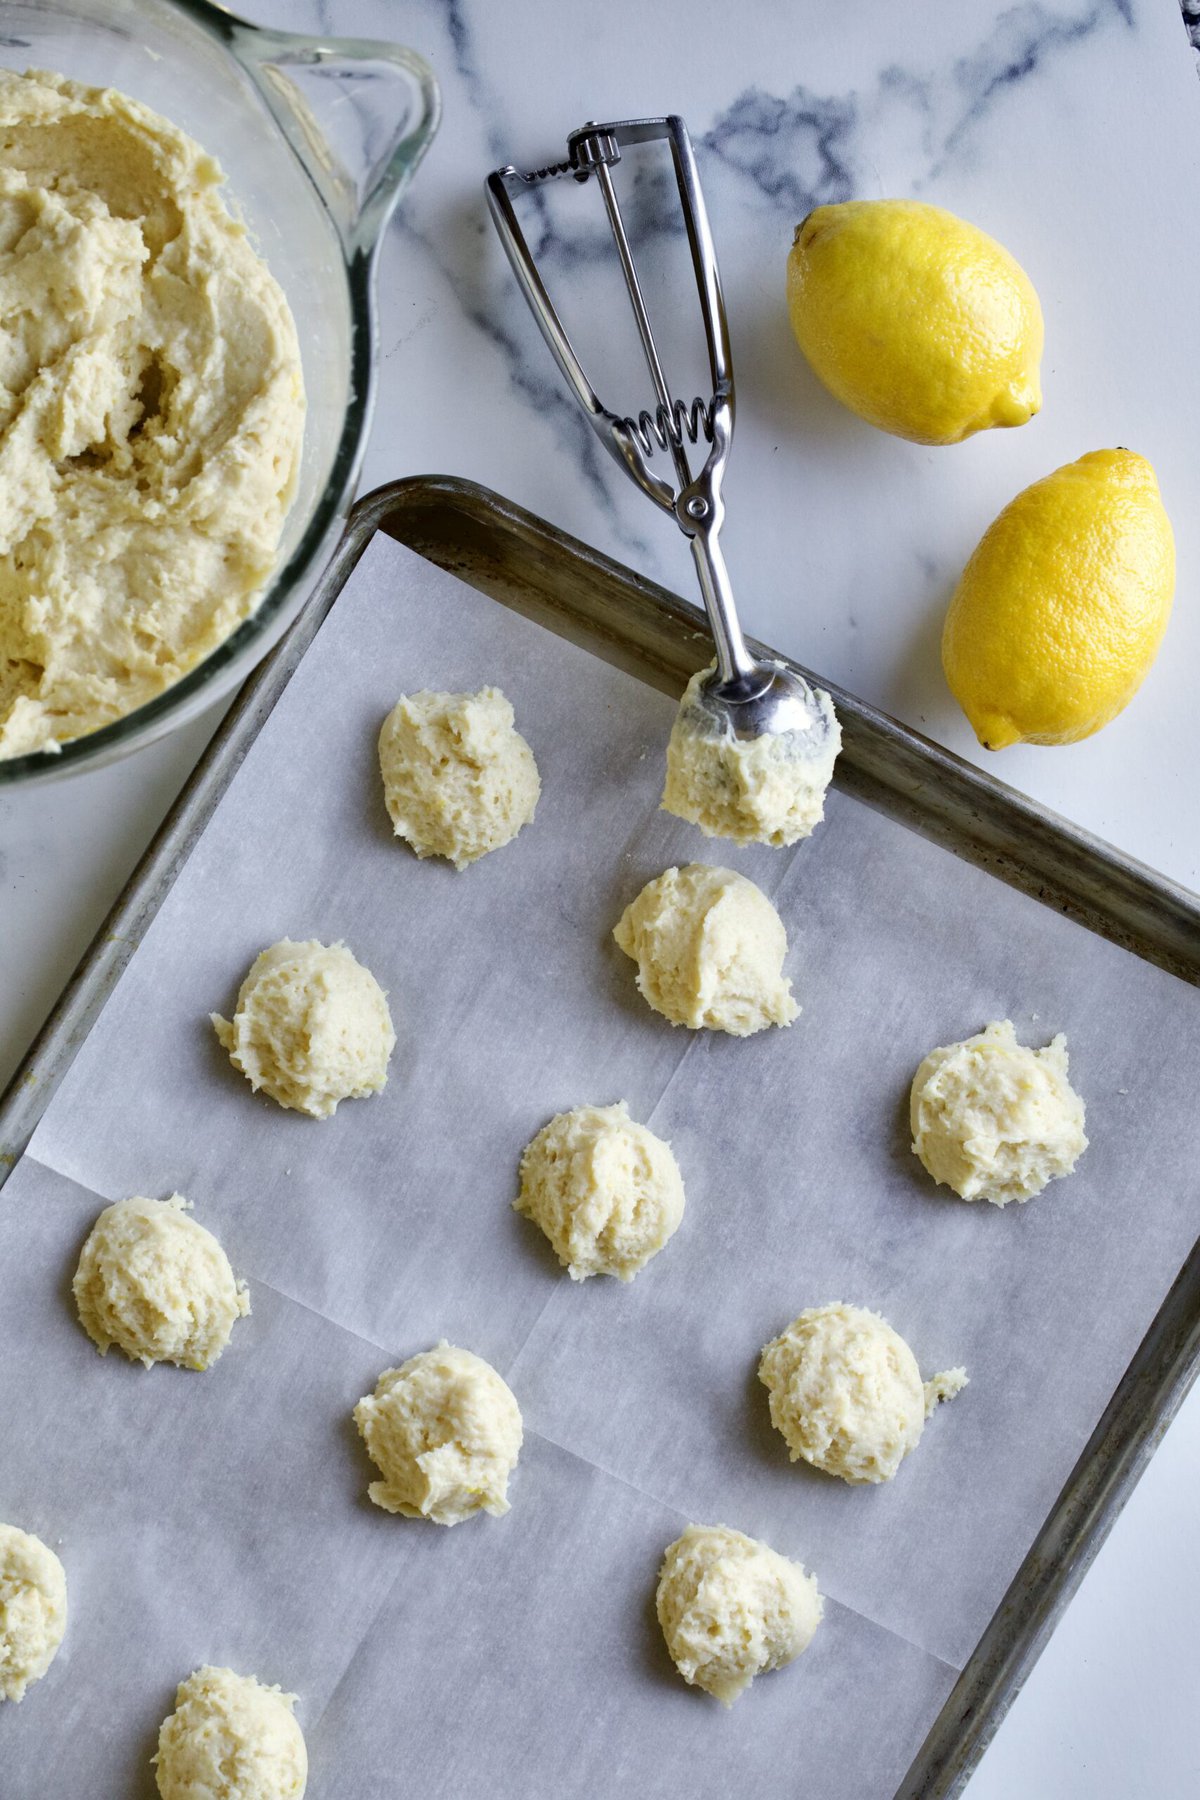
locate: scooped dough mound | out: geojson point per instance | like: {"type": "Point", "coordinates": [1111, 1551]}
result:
{"type": "Point", "coordinates": [994, 1120]}
{"type": "Point", "coordinates": [730, 1607]}
{"type": "Point", "coordinates": [751, 790]}
{"type": "Point", "coordinates": [709, 947]}
{"type": "Point", "coordinates": [33, 1609]}
{"type": "Point", "coordinates": [157, 1285]}
{"type": "Point", "coordinates": [846, 1393]}
{"type": "Point", "coordinates": [231, 1738]}
{"type": "Point", "coordinates": [458, 777]}
{"type": "Point", "coordinates": [606, 1192]}
{"type": "Point", "coordinates": [445, 1432]}
{"type": "Point", "coordinates": [312, 1027]}
{"type": "Point", "coordinates": [151, 410]}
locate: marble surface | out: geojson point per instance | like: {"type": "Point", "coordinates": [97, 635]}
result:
{"type": "Point", "coordinates": [1067, 128]}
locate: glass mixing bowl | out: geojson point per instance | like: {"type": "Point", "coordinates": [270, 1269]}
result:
{"type": "Point", "coordinates": [318, 137]}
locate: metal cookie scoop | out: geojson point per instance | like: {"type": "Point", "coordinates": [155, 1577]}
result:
{"type": "Point", "coordinates": [741, 698]}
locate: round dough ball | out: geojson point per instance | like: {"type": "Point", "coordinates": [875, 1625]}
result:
{"type": "Point", "coordinates": [762, 790]}
{"type": "Point", "coordinates": [994, 1120]}
{"type": "Point", "coordinates": [157, 1285]}
{"type": "Point", "coordinates": [458, 777]}
{"type": "Point", "coordinates": [33, 1609]}
{"type": "Point", "coordinates": [312, 1027]}
{"type": "Point", "coordinates": [709, 947]}
{"type": "Point", "coordinates": [730, 1607]}
{"type": "Point", "coordinates": [846, 1393]}
{"type": "Point", "coordinates": [230, 1738]}
{"type": "Point", "coordinates": [445, 1432]}
{"type": "Point", "coordinates": [606, 1192]}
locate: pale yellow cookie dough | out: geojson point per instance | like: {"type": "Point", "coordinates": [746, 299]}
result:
{"type": "Point", "coordinates": [445, 1433]}
{"type": "Point", "coordinates": [230, 1738]}
{"type": "Point", "coordinates": [730, 1607]}
{"type": "Point", "coordinates": [606, 1192]}
{"type": "Point", "coordinates": [311, 1028]}
{"type": "Point", "coordinates": [33, 1609]}
{"type": "Point", "coordinates": [151, 410]}
{"type": "Point", "coordinates": [458, 777]}
{"type": "Point", "coordinates": [709, 947]}
{"type": "Point", "coordinates": [750, 790]}
{"type": "Point", "coordinates": [994, 1120]}
{"type": "Point", "coordinates": [846, 1393]}
{"type": "Point", "coordinates": [157, 1285]}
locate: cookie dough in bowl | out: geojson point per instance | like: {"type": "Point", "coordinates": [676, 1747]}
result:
{"type": "Point", "coordinates": [709, 947]}
{"type": "Point", "coordinates": [994, 1120]}
{"type": "Point", "coordinates": [157, 1285]}
{"type": "Point", "coordinates": [607, 1193]}
{"type": "Point", "coordinates": [763, 790]}
{"type": "Point", "coordinates": [311, 1027]}
{"type": "Point", "coordinates": [230, 1737]}
{"type": "Point", "coordinates": [730, 1607]}
{"type": "Point", "coordinates": [846, 1393]}
{"type": "Point", "coordinates": [33, 1609]}
{"type": "Point", "coordinates": [151, 410]}
{"type": "Point", "coordinates": [458, 778]}
{"type": "Point", "coordinates": [445, 1432]}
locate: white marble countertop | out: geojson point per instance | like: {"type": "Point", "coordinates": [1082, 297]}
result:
{"type": "Point", "coordinates": [1067, 128]}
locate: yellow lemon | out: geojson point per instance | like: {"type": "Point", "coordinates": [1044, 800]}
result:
{"type": "Point", "coordinates": [915, 320]}
{"type": "Point", "coordinates": [1061, 609]}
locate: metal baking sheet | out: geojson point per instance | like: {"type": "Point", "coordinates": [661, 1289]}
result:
{"type": "Point", "coordinates": [603, 1481]}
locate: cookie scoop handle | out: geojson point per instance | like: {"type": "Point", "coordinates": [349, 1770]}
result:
{"type": "Point", "coordinates": [359, 115]}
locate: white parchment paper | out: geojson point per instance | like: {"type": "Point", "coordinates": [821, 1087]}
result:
{"type": "Point", "coordinates": [223, 1517]}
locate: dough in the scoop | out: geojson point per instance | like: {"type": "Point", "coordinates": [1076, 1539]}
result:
{"type": "Point", "coordinates": [230, 1738]}
{"type": "Point", "coordinates": [730, 1607]}
{"type": "Point", "coordinates": [151, 409]}
{"type": "Point", "coordinates": [157, 1285]}
{"type": "Point", "coordinates": [33, 1609]}
{"type": "Point", "coordinates": [312, 1027]}
{"type": "Point", "coordinates": [846, 1393]}
{"type": "Point", "coordinates": [445, 1433]}
{"type": "Point", "coordinates": [458, 777]}
{"type": "Point", "coordinates": [994, 1120]}
{"type": "Point", "coordinates": [606, 1192]}
{"type": "Point", "coordinates": [709, 947]}
{"type": "Point", "coordinates": [750, 790]}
